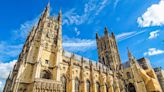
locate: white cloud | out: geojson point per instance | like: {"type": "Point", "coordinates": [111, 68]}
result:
{"type": "Point", "coordinates": [116, 3]}
{"type": "Point", "coordinates": [8, 50]}
{"type": "Point", "coordinates": [71, 17]}
{"type": "Point", "coordinates": [24, 29]}
{"type": "Point", "coordinates": [77, 31]}
{"type": "Point", "coordinates": [90, 8]}
{"type": "Point", "coordinates": [1, 86]}
{"type": "Point", "coordinates": [153, 51]}
{"type": "Point", "coordinates": [154, 16]}
{"type": "Point", "coordinates": [124, 35]}
{"type": "Point", "coordinates": [5, 68]}
{"type": "Point", "coordinates": [102, 5]}
{"type": "Point", "coordinates": [78, 45]}
{"type": "Point", "coordinates": [154, 34]}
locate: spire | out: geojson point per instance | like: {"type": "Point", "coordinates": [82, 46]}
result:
{"type": "Point", "coordinates": [106, 31]}
{"type": "Point", "coordinates": [44, 15]}
{"type": "Point", "coordinates": [97, 36]}
{"type": "Point", "coordinates": [130, 56]}
{"type": "Point", "coordinates": [46, 11]}
{"type": "Point", "coordinates": [129, 53]}
{"type": "Point", "coordinates": [60, 16]}
{"type": "Point", "coordinates": [113, 35]}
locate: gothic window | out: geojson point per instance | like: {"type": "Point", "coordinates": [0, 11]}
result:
{"type": "Point", "coordinates": [49, 24]}
{"type": "Point", "coordinates": [97, 87]}
{"type": "Point", "coordinates": [45, 74]}
{"type": "Point", "coordinates": [22, 89]}
{"type": "Point", "coordinates": [103, 60]}
{"type": "Point", "coordinates": [105, 45]}
{"type": "Point", "coordinates": [46, 62]}
{"type": "Point", "coordinates": [64, 83]}
{"type": "Point", "coordinates": [106, 87]}
{"type": "Point", "coordinates": [131, 88]}
{"type": "Point", "coordinates": [88, 85]}
{"type": "Point", "coordinates": [76, 85]}
{"type": "Point", "coordinates": [101, 47]}
{"type": "Point", "coordinates": [128, 75]}
{"type": "Point", "coordinates": [107, 57]}
{"type": "Point", "coordinates": [46, 46]}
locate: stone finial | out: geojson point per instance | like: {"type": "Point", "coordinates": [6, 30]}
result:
{"type": "Point", "coordinates": [129, 53]}
{"type": "Point", "coordinates": [60, 16]}
{"type": "Point", "coordinates": [97, 36]}
{"type": "Point", "coordinates": [106, 31]}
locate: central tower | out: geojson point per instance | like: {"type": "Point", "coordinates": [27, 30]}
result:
{"type": "Point", "coordinates": [107, 50]}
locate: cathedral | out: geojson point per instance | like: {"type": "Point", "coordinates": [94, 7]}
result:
{"type": "Point", "coordinates": [44, 66]}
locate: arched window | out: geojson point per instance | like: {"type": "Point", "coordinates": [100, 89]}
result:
{"type": "Point", "coordinates": [45, 74]}
{"type": "Point", "coordinates": [106, 86]}
{"type": "Point", "coordinates": [103, 60]}
{"type": "Point", "coordinates": [97, 87]}
{"type": "Point", "coordinates": [88, 85]}
{"type": "Point", "coordinates": [64, 83]}
{"type": "Point", "coordinates": [131, 88]}
{"type": "Point", "coordinates": [128, 75]}
{"type": "Point", "coordinates": [77, 85]}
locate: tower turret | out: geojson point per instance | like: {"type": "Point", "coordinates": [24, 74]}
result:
{"type": "Point", "coordinates": [45, 15]}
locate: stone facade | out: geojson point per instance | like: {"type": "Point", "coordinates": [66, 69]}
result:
{"type": "Point", "coordinates": [160, 74]}
{"type": "Point", "coordinates": [43, 65]}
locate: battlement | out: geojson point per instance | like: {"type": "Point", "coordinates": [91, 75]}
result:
{"type": "Point", "coordinates": [87, 62]}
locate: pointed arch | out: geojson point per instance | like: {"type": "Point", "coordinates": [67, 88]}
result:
{"type": "Point", "coordinates": [77, 84]}
{"type": "Point", "coordinates": [88, 85]}
{"type": "Point", "coordinates": [106, 86]}
{"type": "Point", "coordinates": [64, 83]}
{"type": "Point", "coordinates": [131, 88]}
{"type": "Point", "coordinates": [97, 87]}
{"type": "Point", "coordinates": [45, 74]}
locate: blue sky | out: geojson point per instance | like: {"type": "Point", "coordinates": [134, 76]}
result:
{"type": "Point", "coordinates": [137, 24]}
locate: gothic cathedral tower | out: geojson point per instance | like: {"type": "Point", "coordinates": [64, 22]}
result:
{"type": "Point", "coordinates": [40, 56]}
{"type": "Point", "coordinates": [108, 51]}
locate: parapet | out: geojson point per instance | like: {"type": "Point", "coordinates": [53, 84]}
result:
{"type": "Point", "coordinates": [97, 66]}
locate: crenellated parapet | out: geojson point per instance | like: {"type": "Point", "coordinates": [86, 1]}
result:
{"type": "Point", "coordinates": [78, 60]}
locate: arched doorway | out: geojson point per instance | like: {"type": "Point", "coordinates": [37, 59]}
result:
{"type": "Point", "coordinates": [131, 88]}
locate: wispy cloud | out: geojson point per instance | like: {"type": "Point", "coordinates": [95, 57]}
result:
{"type": "Point", "coordinates": [9, 50]}
{"type": "Point", "coordinates": [154, 34]}
{"type": "Point", "coordinates": [5, 69]}
{"type": "Point", "coordinates": [116, 3]}
{"type": "Point", "coordinates": [92, 7]}
{"type": "Point", "coordinates": [153, 51]}
{"type": "Point", "coordinates": [154, 16]}
{"type": "Point", "coordinates": [78, 45]}
{"type": "Point", "coordinates": [101, 6]}
{"type": "Point", "coordinates": [24, 29]}
{"type": "Point", "coordinates": [77, 31]}
{"type": "Point", "coordinates": [124, 35]}
{"type": "Point", "coordinates": [127, 35]}
{"type": "Point", "coordinates": [1, 86]}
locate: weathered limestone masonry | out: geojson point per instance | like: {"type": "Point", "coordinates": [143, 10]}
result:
{"type": "Point", "coordinates": [160, 74]}
{"type": "Point", "coordinates": [43, 65]}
